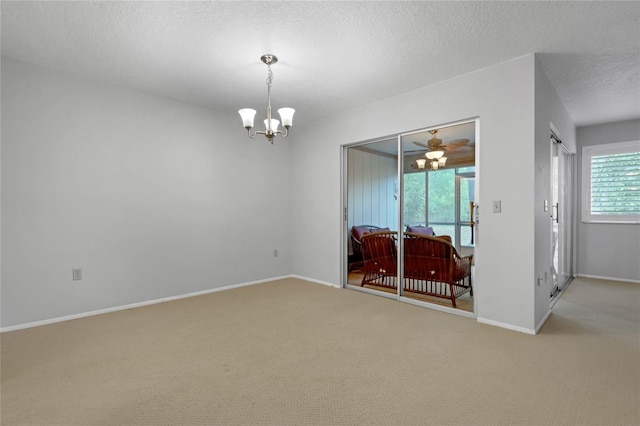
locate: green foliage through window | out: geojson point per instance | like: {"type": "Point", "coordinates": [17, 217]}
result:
{"type": "Point", "coordinates": [415, 198]}
{"type": "Point", "coordinates": [442, 200]}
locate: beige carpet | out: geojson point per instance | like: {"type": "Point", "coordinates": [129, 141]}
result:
{"type": "Point", "coordinates": [295, 353]}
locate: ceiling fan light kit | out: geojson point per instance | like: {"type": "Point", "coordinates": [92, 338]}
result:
{"type": "Point", "coordinates": [270, 124]}
{"type": "Point", "coordinates": [434, 155]}
{"type": "Point", "coordinates": [435, 151]}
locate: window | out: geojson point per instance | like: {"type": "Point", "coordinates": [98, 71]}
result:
{"type": "Point", "coordinates": [611, 183]}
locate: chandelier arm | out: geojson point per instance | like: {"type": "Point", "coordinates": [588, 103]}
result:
{"type": "Point", "coordinates": [284, 132]}
{"type": "Point", "coordinates": [252, 135]}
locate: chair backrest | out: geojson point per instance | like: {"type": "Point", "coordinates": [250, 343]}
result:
{"type": "Point", "coordinates": [357, 232]}
{"type": "Point", "coordinates": [424, 245]}
{"type": "Point", "coordinates": [426, 257]}
{"type": "Point", "coordinates": [424, 230]}
{"type": "Point", "coordinates": [379, 251]}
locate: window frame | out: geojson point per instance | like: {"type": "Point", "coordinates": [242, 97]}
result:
{"type": "Point", "coordinates": [588, 152]}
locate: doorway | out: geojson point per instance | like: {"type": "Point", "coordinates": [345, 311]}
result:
{"type": "Point", "coordinates": [397, 185]}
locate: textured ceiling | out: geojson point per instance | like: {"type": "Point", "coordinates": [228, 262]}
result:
{"type": "Point", "coordinates": [333, 55]}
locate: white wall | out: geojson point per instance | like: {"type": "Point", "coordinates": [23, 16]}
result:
{"type": "Point", "coordinates": [550, 113]}
{"type": "Point", "coordinates": [502, 96]}
{"type": "Point", "coordinates": [607, 250]}
{"type": "Point", "coordinates": [150, 197]}
{"type": "Point", "coordinates": [154, 198]}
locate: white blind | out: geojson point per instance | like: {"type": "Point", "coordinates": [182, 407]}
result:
{"type": "Point", "coordinates": [613, 182]}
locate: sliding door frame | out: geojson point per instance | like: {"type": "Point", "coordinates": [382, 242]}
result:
{"type": "Point", "coordinates": [345, 232]}
{"type": "Point", "coordinates": [344, 203]}
{"type": "Point", "coordinates": [566, 159]}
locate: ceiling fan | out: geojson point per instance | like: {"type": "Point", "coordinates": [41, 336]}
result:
{"type": "Point", "coordinates": [435, 143]}
{"type": "Point", "coordinates": [436, 150]}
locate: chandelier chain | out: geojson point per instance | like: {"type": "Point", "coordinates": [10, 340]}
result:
{"type": "Point", "coordinates": [269, 76]}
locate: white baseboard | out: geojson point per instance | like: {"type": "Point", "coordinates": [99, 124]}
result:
{"type": "Point", "coordinates": [507, 326]}
{"type": "Point", "coordinates": [626, 280]}
{"type": "Point", "coordinates": [136, 305]}
{"type": "Point", "coordinates": [315, 281]}
{"type": "Point", "coordinates": [541, 323]}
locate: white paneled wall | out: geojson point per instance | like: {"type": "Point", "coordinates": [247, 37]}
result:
{"type": "Point", "coordinates": [371, 190]}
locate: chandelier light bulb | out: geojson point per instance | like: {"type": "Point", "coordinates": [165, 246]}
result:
{"type": "Point", "coordinates": [247, 115]}
{"type": "Point", "coordinates": [434, 154]}
{"type": "Point", "coordinates": [286, 115]}
{"type": "Point", "coordinates": [274, 125]}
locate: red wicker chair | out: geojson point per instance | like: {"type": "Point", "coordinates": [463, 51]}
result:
{"type": "Point", "coordinates": [380, 261]}
{"type": "Point", "coordinates": [433, 267]}
{"type": "Point", "coordinates": [357, 232]}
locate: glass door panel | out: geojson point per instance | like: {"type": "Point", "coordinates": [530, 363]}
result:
{"type": "Point", "coordinates": [561, 215]}
{"type": "Point", "coordinates": [372, 207]}
{"type": "Point", "coordinates": [434, 187]}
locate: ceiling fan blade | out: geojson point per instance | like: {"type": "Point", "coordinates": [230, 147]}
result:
{"type": "Point", "coordinates": [455, 144]}
{"type": "Point", "coordinates": [424, 145]}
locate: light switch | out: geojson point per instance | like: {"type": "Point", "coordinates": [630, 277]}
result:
{"type": "Point", "coordinates": [497, 206]}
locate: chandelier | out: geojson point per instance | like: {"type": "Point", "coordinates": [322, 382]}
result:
{"type": "Point", "coordinates": [270, 124]}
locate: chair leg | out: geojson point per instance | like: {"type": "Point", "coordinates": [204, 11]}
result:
{"type": "Point", "coordinates": [453, 295]}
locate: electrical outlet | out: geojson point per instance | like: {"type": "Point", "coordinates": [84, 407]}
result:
{"type": "Point", "coordinates": [497, 206]}
{"type": "Point", "coordinates": [77, 274]}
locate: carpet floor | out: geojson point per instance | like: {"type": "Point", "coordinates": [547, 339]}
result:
{"type": "Point", "coordinates": [290, 352]}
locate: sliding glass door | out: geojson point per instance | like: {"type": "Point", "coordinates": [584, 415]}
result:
{"type": "Point", "coordinates": [420, 183]}
{"type": "Point", "coordinates": [561, 215]}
